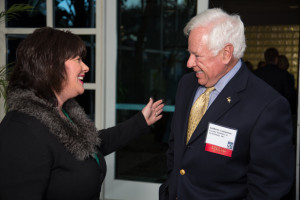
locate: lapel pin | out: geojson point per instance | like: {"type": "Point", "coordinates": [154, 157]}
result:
{"type": "Point", "coordinates": [228, 99]}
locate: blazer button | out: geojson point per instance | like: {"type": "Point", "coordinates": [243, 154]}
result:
{"type": "Point", "coordinates": [182, 172]}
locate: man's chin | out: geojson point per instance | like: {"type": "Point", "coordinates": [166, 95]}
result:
{"type": "Point", "coordinates": [201, 82]}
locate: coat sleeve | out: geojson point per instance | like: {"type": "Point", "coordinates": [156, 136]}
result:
{"type": "Point", "coordinates": [272, 162]}
{"type": "Point", "coordinates": [114, 138]}
{"type": "Point", "coordinates": [24, 162]}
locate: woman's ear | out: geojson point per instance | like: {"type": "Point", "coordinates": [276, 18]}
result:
{"type": "Point", "coordinates": [227, 53]}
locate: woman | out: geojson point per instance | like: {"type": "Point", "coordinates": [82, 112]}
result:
{"type": "Point", "coordinates": [49, 149]}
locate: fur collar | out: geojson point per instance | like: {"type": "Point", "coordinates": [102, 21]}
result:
{"type": "Point", "coordinates": [80, 138]}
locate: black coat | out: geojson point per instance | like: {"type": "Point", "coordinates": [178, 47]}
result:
{"type": "Point", "coordinates": [279, 79]}
{"type": "Point", "coordinates": [37, 164]}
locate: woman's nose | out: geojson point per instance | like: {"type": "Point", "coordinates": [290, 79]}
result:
{"type": "Point", "coordinates": [85, 68]}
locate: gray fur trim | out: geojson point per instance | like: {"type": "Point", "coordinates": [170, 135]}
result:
{"type": "Point", "coordinates": [80, 138]}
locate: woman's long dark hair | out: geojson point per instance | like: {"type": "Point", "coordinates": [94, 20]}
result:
{"type": "Point", "coordinates": [40, 61]}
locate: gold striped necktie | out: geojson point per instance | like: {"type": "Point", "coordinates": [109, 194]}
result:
{"type": "Point", "coordinates": [197, 112]}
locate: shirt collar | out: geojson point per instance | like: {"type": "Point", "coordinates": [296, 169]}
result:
{"type": "Point", "coordinates": [227, 77]}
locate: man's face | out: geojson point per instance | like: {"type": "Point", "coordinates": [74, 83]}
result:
{"type": "Point", "coordinates": [208, 67]}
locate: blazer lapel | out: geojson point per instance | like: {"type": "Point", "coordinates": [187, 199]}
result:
{"type": "Point", "coordinates": [228, 97]}
{"type": "Point", "coordinates": [190, 93]}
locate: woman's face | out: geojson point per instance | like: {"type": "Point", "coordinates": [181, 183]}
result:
{"type": "Point", "coordinates": [73, 86]}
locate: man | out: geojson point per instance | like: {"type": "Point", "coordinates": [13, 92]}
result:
{"type": "Point", "coordinates": [242, 147]}
{"type": "Point", "coordinates": [278, 78]}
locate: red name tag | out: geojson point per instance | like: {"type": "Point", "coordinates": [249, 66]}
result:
{"type": "Point", "coordinates": [219, 150]}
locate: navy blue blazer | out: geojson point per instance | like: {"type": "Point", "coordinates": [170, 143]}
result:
{"type": "Point", "coordinates": [262, 164]}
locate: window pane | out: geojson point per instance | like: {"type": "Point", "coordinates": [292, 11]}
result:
{"type": "Point", "coordinates": [144, 159]}
{"type": "Point", "coordinates": [34, 18]}
{"type": "Point", "coordinates": [76, 14]}
{"type": "Point", "coordinates": [13, 42]}
{"type": "Point", "coordinates": [152, 55]}
{"type": "Point", "coordinates": [89, 41]}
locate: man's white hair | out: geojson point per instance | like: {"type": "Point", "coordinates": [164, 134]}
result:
{"type": "Point", "coordinates": [223, 29]}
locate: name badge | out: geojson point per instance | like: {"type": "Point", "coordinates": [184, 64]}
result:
{"type": "Point", "coordinates": [220, 139]}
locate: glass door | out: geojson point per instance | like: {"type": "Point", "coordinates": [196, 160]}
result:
{"type": "Point", "coordinates": [150, 57]}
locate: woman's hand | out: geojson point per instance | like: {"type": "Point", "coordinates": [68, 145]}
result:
{"type": "Point", "coordinates": [152, 111]}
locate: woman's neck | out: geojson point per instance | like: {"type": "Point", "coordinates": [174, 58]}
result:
{"type": "Point", "coordinates": [60, 103]}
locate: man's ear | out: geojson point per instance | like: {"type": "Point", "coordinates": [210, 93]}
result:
{"type": "Point", "coordinates": [227, 53]}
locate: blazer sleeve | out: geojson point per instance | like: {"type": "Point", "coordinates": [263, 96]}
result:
{"type": "Point", "coordinates": [272, 161]}
{"type": "Point", "coordinates": [114, 138]}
